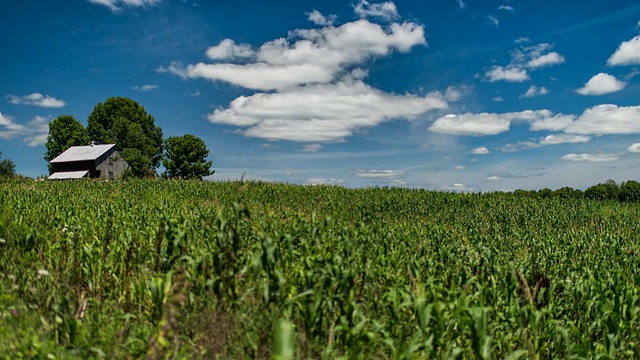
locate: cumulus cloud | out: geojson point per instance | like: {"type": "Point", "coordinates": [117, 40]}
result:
{"type": "Point", "coordinates": [310, 85]}
{"type": "Point", "coordinates": [607, 119]}
{"type": "Point", "coordinates": [228, 49]}
{"type": "Point", "coordinates": [532, 58]}
{"type": "Point", "coordinates": [386, 10]}
{"type": "Point", "coordinates": [493, 178]}
{"type": "Point", "coordinates": [555, 139]}
{"type": "Point", "coordinates": [628, 53]}
{"type": "Point", "coordinates": [601, 84]}
{"type": "Point", "coordinates": [307, 56]}
{"type": "Point", "coordinates": [480, 151]}
{"type": "Point", "coordinates": [379, 174]}
{"type": "Point", "coordinates": [321, 112]}
{"type": "Point", "coordinates": [36, 99]}
{"type": "Point", "coordinates": [502, 73]}
{"type": "Point", "coordinates": [148, 87]}
{"type": "Point", "coordinates": [492, 123]}
{"type": "Point", "coordinates": [535, 91]}
{"type": "Point", "coordinates": [634, 148]}
{"type": "Point", "coordinates": [33, 133]}
{"type": "Point", "coordinates": [317, 18]}
{"type": "Point", "coordinates": [590, 157]}
{"type": "Point", "coordinates": [115, 5]}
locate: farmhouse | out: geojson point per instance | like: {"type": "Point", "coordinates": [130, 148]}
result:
{"type": "Point", "coordinates": [94, 161]}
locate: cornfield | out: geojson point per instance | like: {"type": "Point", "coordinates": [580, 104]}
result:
{"type": "Point", "coordinates": [232, 270]}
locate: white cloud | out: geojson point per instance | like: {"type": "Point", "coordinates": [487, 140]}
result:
{"type": "Point", "coordinates": [519, 146]}
{"type": "Point", "coordinates": [456, 187]}
{"type": "Point", "coordinates": [36, 99]}
{"type": "Point", "coordinates": [308, 56]}
{"type": "Point", "coordinates": [461, 5]}
{"type": "Point", "coordinates": [310, 84]}
{"type": "Point", "coordinates": [493, 178]}
{"type": "Point", "coordinates": [480, 151]}
{"type": "Point", "coordinates": [628, 53]}
{"type": "Point", "coordinates": [522, 39]}
{"type": "Point", "coordinates": [33, 133]}
{"type": "Point", "coordinates": [547, 121]}
{"type": "Point", "coordinates": [114, 5]}
{"type": "Point", "coordinates": [607, 119]}
{"type": "Point", "coordinates": [145, 87]}
{"type": "Point", "coordinates": [555, 139]}
{"type": "Point", "coordinates": [535, 91]}
{"type": "Point", "coordinates": [471, 124]}
{"type": "Point", "coordinates": [459, 167]}
{"type": "Point", "coordinates": [379, 174]}
{"type": "Point", "coordinates": [493, 123]}
{"type": "Point", "coordinates": [601, 84]}
{"type": "Point", "coordinates": [493, 20]}
{"type": "Point", "coordinates": [590, 157]}
{"type": "Point", "coordinates": [498, 99]}
{"type": "Point", "coordinates": [506, 8]}
{"type": "Point", "coordinates": [532, 57]}
{"type": "Point", "coordinates": [312, 148]}
{"type": "Point", "coordinates": [322, 112]}
{"type": "Point", "coordinates": [549, 59]}
{"type": "Point", "coordinates": [228, 49]}
{"type": "Point", "coordinates": [317, 18]}
{"type": "Point", "coordinates": [634, 148]}
{"type": "Point", "coordinates": [322, 181]}
{"type": "Point", "coordinates": [386, 10]}
{"type": "Point", "coordinates": [512, 74]}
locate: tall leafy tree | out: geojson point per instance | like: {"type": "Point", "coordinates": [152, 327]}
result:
{"type": "Point", "coordinates": [186, 158]}
{"type": "Point", "coordinates": [7, 167]}
{"type": "Point", "coordinates": [124, 122]}
{"type": "Point", "coordinates": [64, 132]}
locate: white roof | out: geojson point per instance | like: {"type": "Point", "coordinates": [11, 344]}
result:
{"type": "Point", "coordinates": [68, 175]}
{"type": "Point", "coordinates": [82, 153]}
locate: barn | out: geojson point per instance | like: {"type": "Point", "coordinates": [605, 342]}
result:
{"type": "Point", "coordinates": [93, 161]}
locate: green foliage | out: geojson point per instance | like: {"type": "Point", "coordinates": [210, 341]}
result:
{"type": "Point", "coordinates": [64, 132]}
{"type": "Point", "coordinates": [236, 270]}
{"type": "Point", "coordinates": [124, 122]}
{"type": "Point", "coordinates": [630, 191]}
{"type": "Point", "coordinates": [7, 167]}
{"type": "Point", "coordinates": [608, 190]}
{"type": "Point", "coordinates": [186, 158]}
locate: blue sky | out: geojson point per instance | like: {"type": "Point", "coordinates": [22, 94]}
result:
{"type": "Point", "coordinates": [448, 95]}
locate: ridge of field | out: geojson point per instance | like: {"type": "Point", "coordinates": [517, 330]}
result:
{"type": "Point", "coordinates": [188, 269]}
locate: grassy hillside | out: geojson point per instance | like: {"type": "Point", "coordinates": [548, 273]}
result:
{"type": "Point", "coordinates": [162, 269]}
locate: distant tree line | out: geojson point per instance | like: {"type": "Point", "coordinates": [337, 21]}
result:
{"type": "Point", "coordinates": [126, 123]}
{"type": "Point", "coordinates": [628, 191]}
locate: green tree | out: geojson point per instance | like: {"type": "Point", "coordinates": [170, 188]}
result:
{"type": "Point", "coordinates": [630, 191]}
{"type": "Point", "coordinates": [7, 167]}
{"type": "Point", "coordinates": [64, 132]}
{"type": "Point", "coordinates": [608, 190]}
{"type": "Point", "coordinates": [124, 122]}
{"type": "Point", "coordinates": [186, 158]}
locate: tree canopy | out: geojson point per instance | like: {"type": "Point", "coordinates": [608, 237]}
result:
{"type": "Point", "coordinates": [64, 132]}
{"type": "Point", "coordinates": [7, 167]}
{"type": "Point", "coordinates": [124, 122]}
{"type": "Point", "coordinates": [186, 158]}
